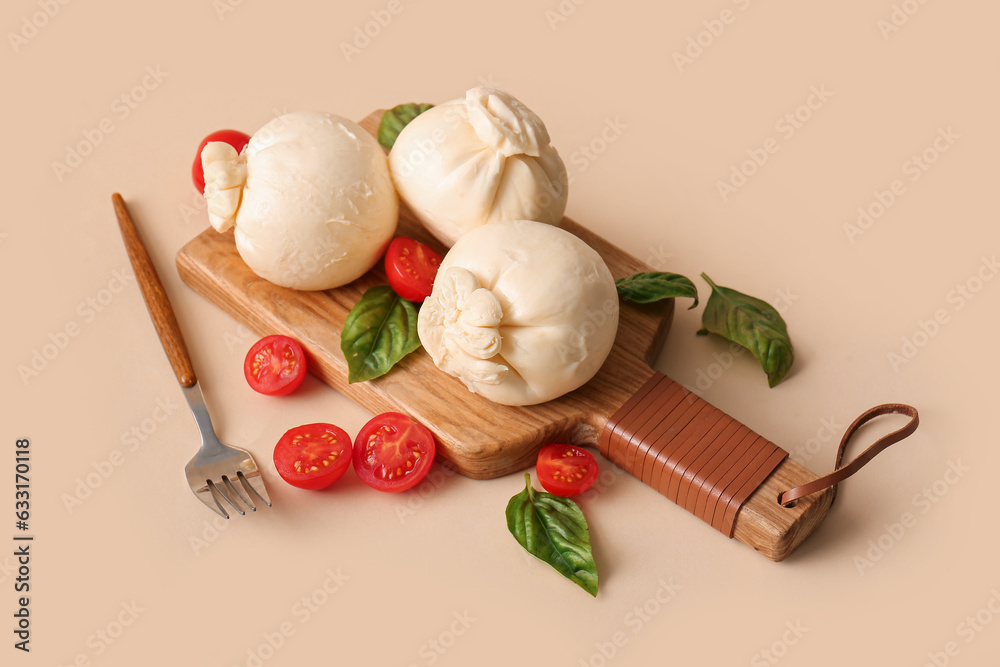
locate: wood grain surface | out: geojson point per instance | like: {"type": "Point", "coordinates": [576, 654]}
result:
{"type": "Point", "coordinates": [476, 437]}
{"type": "Point", "coordinates": [479, 438]}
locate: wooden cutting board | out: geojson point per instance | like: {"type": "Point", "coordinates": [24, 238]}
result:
{"type": "Point", "coordinates": [476, 437]}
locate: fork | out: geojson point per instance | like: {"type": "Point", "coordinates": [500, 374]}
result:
{"type": "Point", "coordinates": [218, 471]}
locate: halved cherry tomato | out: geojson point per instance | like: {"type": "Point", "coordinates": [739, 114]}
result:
{"type": "Point", "coordinates": [275, 365]}
{"type": "Point", "coordinates": [392, 452]}
{"type": "Point", "coordinates": [410, 267]}
{"type": "Point", "coordinates": [234, 138]}
{"type": "Point", "coordinates": [313, 456]}
{"type": "Point", "coordinates": [565, 470]}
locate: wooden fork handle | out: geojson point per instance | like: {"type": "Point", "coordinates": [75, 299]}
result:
{"type": "Point", "coordinates": [157, 302]}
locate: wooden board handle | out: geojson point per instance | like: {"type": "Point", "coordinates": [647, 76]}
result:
{"type": "Point", "coordinates": [712, 465]}
{"type": "Point", "coordinates": [156, 298]}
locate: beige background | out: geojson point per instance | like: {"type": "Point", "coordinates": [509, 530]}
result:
{"type": "Point", "coordinates": [646, 142]}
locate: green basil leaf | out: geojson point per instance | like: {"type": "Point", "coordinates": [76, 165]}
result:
{"type": "Point", "coordinates": [553, 529]}
{"type": "Point", "coordinates": [752, 323]}
{"type": "Point", "coordinates": [380, 330]}
{"type": "Point", "coordinates": [395, 119]}
{"type": "Point", "coordinates": [650, 287]}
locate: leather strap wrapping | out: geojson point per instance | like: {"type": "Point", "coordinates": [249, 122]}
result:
{"type": "Point", "coordinates": [690, 451]}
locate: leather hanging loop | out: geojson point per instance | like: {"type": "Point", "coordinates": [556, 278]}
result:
{"type": "Point", "coordinates": [841, 473]}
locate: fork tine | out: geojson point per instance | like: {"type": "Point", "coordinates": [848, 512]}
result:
{"type": "Point", "coordinates": [255, 483]}
{"type": "Point", "coordinates": [232, 488]}
{"type": "Point", "coordinates": [219, 490]}
{"type": "Point", "coordinates": [204, 494]}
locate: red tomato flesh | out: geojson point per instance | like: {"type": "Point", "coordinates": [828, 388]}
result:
{"type": "Point", "coordinates": [275, 365]}
{"type": "Point", "coordinates": [234, 138]}
{"type": "Point", "coordinates": [313, 456]}
{"type": "Point", "coordinates": [565, 470]}
{"type": "Point", "coordinates": [392, 452]}
{"type": "Point", "coordinates": [410, 267]}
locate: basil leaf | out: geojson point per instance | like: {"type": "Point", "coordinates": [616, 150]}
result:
{"type": "Point", "coordinates": [380, 330]}
{"type": "Point", "coordinates": [752, 323]}
{"type": "Point", "coordinates": [650, 287]}
{"type": "Point", "coordinates": [553, 529]}
{"type": "Point", "coordinates": [395, 119]}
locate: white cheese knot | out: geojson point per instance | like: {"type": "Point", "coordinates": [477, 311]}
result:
{"type": "Point", "coordinates": [477, 160]}
{"type": "Point", "coordinates": [225, 176]}
{"type": "Point", "coordinates": [521, 312]}
{"type": "Point", "coordinates": [504, 123]}
{"type": "Point", "coordinates": [465, 321]}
